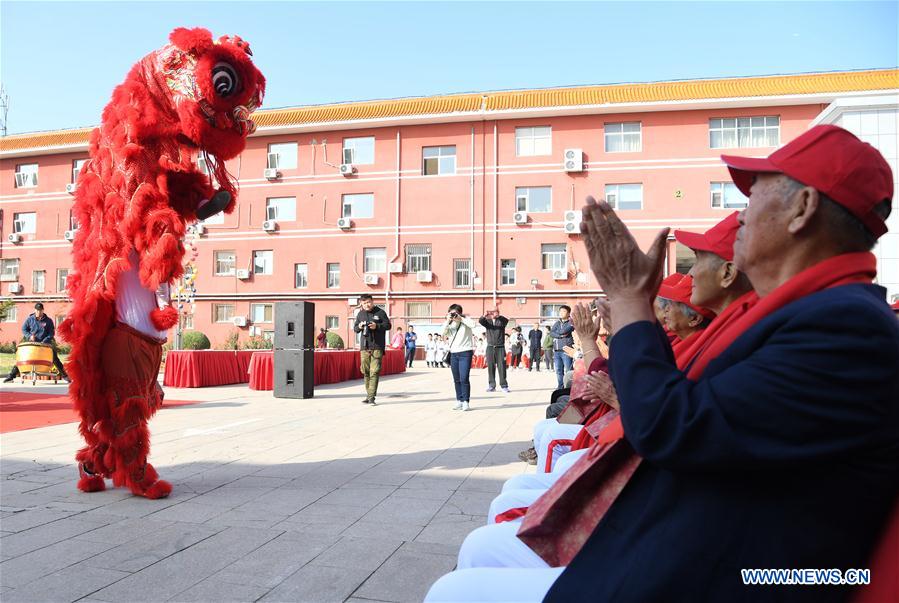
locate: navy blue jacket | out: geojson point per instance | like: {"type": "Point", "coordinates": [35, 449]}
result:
{"type": "Point", "coordinates": [785, 454]}
{"type": "Point", "coordinates": [42, 329]}
{"type": "Point", "coordinates": [561, 332]}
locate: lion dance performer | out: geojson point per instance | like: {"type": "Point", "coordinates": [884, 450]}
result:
{"type": "Point", "coordinates": [135, 196]}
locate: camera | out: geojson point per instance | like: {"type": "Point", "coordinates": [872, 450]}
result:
{"type": "Point", "coordinates": [454, 314]}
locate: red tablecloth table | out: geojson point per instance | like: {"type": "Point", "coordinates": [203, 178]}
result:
{"type": "Point", "coordinates": [479, 362]}
{"type": "Point", "coordinates": [329, 366]}
{"type": "Point", "coordinates": [204, 368]}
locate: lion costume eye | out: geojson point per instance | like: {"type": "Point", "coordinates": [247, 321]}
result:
{"type": "Point", "coordinates": [224, 80]}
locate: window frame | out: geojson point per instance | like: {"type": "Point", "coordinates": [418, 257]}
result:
{"type": "Point", "coordinates": [12, 315]}
{"type": "Point", "coordinates": [5, 273]}
{"type": "Point", "coordinates": [525, 192]}
{"type": "Point", "coordinates": [440, 155]}
{"type": "Point", "coordinates": [216, 261]}
{"type": "Point", "coordinates": [62, 277]}
{"type": "Point", "coordinates": [355, 161]}
{"type": "Point", "coordinates": [622, 136]}
{"type": "Point", "coordinates": [507, 270]}
{"type": "Point", "coordinates": [347, 200]}
{"type": "Point", "coordinates": [554, 315]}
{"type": "Point", "coordinates": [420, 261]}
{"type": "Point", "coordinates": [365, 260]}
{"type": "Point", "coordinates": [16, 220]}
{"type": "Point", "coordinates": [271, 264]}
{"type": "Point", "coordinates": [521, 135]}
{"type": "Point", "coordinates": [277, 207]}
{"type": "Point", "coordinates": [740, 130]}
{"type": "Point", "coordinates": [264, 306]}
{"type": "Point", "coordinates": [215, 313]}
{"type": "Point", "coordinates": [418, 315]}
{"type": "Point", "coordinates": [296, 274]}
{"type": "Point", "coordinates": [43, 288]}
{"type": "Point", "coordinates": [32, 173]}
{"type": "Point", "coordinates": [464, 272]}
{"type": "Point", "coordinates": [281, 165]}
{"type": "Point", "coordinates": [549, 255]}
{"type": "Point", "coordinates": [615, 203]}
{"type": "Point", "coordinates": [332, 269]}
{"type": "Point", "coordinates": [723, 188]}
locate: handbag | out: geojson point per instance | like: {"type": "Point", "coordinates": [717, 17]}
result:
{"type": "Point", "coordinates": [446, 355]}
{"type": "Point", "coordinates": [557, 524]}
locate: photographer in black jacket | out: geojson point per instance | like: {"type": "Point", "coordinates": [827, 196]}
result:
{"type": "Point", "coordinates": [372, 322]}
{"type": "Point", "coordinates": [495, 323]}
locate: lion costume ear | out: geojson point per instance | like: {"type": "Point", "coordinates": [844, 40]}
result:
{"type": "Point", "coordinates": [197, 39]}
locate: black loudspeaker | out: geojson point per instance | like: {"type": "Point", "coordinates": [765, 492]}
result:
{"type": "Point", "coordinates": [293, 374]}
{"type": "Point", "coordinates": [294, 326]}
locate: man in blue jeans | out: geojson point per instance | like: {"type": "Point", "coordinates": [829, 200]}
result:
{"type": "Point", "coordinates": [561, 333]}
{"type": "Point", "coordinates": [411, 338]}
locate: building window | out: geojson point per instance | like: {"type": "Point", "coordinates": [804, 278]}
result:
{"type": "Point", "coordinates": [62, 275]}
{"type": "Point", "coordinates": [533, 141]}
{"type": "Point", "coordinates": [554, 256]}
{"type": "Point", "coordinates": [224, 263]}
{"type": "Point", "coordinates": [359, 151]}
{"type": "Point", "coordinates": [507, 272]}
{"type": "Point", "coordinates": [263, 262]}
{"type": "Point", "coordinates": [359, 205]}
{"type": "Point", "coordinates": [12, 314]}
{"type": "Point", "coordinates": [58, 319]}
{"type": "Point", "coordinates": [462, 273]}
{"type": "Point", "coordinates": [9, 269]}
{"type": "Point", "coordinates": [550, 311]}
{"type": "Point", "coordinates": [282, 156]}
{"type": "Point", "coordinates": [375, 260]}
{"type": "Point", "coordinates": [684, 258]}
{"type": "Point", "coordinates": [419, 311]}
{"type": "Point", "coordinates": [418, 257]}
{"type": "Point", "coordinates": [24, 223]}
{"type": "Point", "coordinates": [333, 276]}
{"type": "Point", "coordinates": [223, 312]}
{"type": "Point", "coordinates": [301, 278]}
{"type": "Point", "coordinates": [535, 199]}
{"type": "Point", "coordinates": [26, 175]}
{"type": "Point", "coordinates": [332, 322]}
{"type": "Point", "coordinates": [261, 312]}
{"type": "Point", "coordinates": [187, 321]}
{"type": "Point", "coordinates": [753, 132]}
{"type": "Point", "coordinates": [38, 281]}
{"type": "Point", "coordinates": [726, 195]}
{"type": "Point", "coordinates": [73, 221]}
{"type": "Point", "coordinates": [438, 160]}
{"type": "Point", "coordinates": [76, 169]}
{"type": "Point", "coordinates": [281, 208]}
{"type": "Point", "coordinates": [623, 137]}
{"type": "Point", "coordinates": [624, 196]}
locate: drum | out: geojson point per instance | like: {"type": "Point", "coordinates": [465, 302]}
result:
{"type": "Point", "coordinates": [33, 357]}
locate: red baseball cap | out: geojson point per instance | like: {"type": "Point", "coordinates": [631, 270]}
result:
{"type": "Point", "coordinates": [832, 160]}
{"type": "Point", "coordinates": [719, 239]}
{"type": "Point", "coordinates": [681, 291]}
{"type": "Point", "coordinates": [669, 281]}
{"type": "Point", "coordinates": [895, 306]}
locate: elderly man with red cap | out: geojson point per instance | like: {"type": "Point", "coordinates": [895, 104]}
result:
{"type": "Point", "coordinates": [779, 446]}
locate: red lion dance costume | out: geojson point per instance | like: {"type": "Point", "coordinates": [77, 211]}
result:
{"type": "Point", "coordinates": [135, 197]}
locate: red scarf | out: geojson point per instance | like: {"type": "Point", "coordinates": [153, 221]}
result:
{"type": "Point", "coordinates": [699, 341]}
{"type": "Point", "coordinates": [839, 270]}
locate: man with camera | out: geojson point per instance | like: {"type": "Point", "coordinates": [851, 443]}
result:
{"type": "Point", "coordinates": [495, 355]}
{"type": "Point", "coordinates": [372, 323]}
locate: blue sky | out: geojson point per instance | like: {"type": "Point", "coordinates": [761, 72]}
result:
{"type": "Point", "coordinates": [59, 61]}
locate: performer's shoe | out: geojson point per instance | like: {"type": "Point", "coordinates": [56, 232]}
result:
{"type": "Point", "coordinates": [90, 481]}
{"type": "Point", "coordinates": [219, 202]}
{"type": "Point", "coordinates": [367, 401]}
{"type": "Point", "coordinates": [150, 486]}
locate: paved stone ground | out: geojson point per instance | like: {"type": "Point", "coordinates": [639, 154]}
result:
{"type": "Point", "coordinates": [274, 500]}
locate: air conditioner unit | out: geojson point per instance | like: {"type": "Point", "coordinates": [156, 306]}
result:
{"type": "Point", "coordinates": [572, 227]}
{"type": "Point", "coordinates": [424, 276]}
{"type": "Point", "coordinates": [239, 321]}
{"type": "Point", "coordinates": [574, 160]}
{"type": "Point", "coordinates": [69, 235]}
{"type": "Point", "coordinates": [394, 267]}
{"type": "Point", "coordinates": [582, 278]}
{"type": "Point", "coordinates": [271, 174]}
{"type": "Point", "coordinates": [560, 275]}
{"type": "Point", "coordinates": [372, 279]}
{"type": "Point", "coordinates": [71, 188]}
{"type": "Point", "coordinates": [344, 223]}
{"type": "Point", "coordinates": [270, 226]}
{"type": "Point", "coordinates": [243, 274]}
{"type": "Point", "coordinates": [15, 237]}
{"type": "Point", "coordinates": [520, 217]}
{"type": "Point", "coordinates": [347, 169]}
{"type": "Point", "coordinates": [16, 288]}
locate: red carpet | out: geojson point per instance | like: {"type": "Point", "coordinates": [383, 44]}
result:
{"type": "Point", "coordinates": [25, 410]}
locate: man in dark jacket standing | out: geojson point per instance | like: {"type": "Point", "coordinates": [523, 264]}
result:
{"type": "Point", "coordinates": [495, 323]}
{"type": "Point", "coordinates": [535, 339]}
{"type": "Point", "coordinates": [562, 336]}
{"type": "Point", "coordinates": [373, 325]}
{"type": "Point", "coordinates": [38, 327]}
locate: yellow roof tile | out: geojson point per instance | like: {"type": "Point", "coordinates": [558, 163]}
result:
{"type": "Point", "coordinates": [850, 81]}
